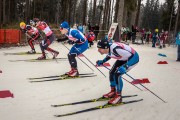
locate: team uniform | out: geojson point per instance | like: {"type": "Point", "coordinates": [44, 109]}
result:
{"type": "Point", "coordinates": [41, 25]}
{"type": "Point", "coordinates": [32, 33]}
{"type": "Point", "coordinates": [80, 45]}
{"type": "Point", "coordinates": [126, 58]}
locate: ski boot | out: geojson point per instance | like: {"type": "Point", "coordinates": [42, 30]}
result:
{"type": "Point", "coordinates": [73, 72]}
{"type": "Point", "coordinates": [116, 99]}
{"type": "Point", "coordinates": [55, 54]}
{"type": "Point", "coordinates": [43, 57]}
{"type": "Point", "coordinates": [31, 52]}
{"type": "Point", "coordinates": [111, 93]}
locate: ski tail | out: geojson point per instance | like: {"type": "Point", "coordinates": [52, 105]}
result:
{"type": "Point", "coordinates": [89, 101]}
{"type": "Point", "coordinates": [98, 107]}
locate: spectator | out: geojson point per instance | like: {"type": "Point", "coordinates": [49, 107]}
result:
{"type": "Point", "coordinates": [80, 28]}
{"type": "Point", "coordinates": [163, 38]}
{"type": "Point", "coordinates": [90, 37]}
{"type": "Point", "coordinates": [143, 35]}
{"type": "Point", "coordinates": [96, 30]}
{"type": "Point", "coordinates": [84, 29]}
{"type": "Point", "coordinates": [178, 43]}
{"type": "Point", "coordinates": [75, 26]}
{"type": "Point", "coordinates": [155, 37]}
{"type": "Point", "coordinates": [148, 36]}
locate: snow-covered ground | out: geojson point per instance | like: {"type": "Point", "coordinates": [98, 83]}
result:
{"type": "Point", "coordinates": [32, 101]}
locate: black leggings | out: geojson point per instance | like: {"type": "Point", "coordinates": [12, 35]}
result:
{"type": "Point", "coordinates": [72, 60]}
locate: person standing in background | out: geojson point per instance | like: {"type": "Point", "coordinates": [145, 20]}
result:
{"type": "Point", "coordinates": [178, 43]}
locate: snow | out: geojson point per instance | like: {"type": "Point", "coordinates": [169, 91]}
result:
{"type": "Point", "coordinates": [32, 101]}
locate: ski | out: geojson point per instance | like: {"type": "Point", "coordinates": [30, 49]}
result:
{"type": "Point", "coordinates": [21, 53]}
{"type": "Point", "coordinates": [36, 60]}
{"type": "Point", "coordinates": [64, 78]}
{"type": "Point", "coordinates": [90, 101]}
{"type": "Point", "coordinates": [63, 75]}
{"type": "Point", "coordinates": [98, 107]}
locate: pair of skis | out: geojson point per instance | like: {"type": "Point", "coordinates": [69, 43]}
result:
{"type": "Point", "coordinates": [60, 77]}
{"type": "Point", "coordinates": [94, 108]}
{"type": "Point", "coordinates": [36, 60]}
{"type": "Point", "coordinates": [21, 53]}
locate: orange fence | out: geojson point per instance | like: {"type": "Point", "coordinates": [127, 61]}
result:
{"type": "Point", "coordinates": [10, 36]}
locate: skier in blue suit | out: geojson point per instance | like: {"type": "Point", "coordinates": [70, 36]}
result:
{"type": "Point", "coordinates": [80, 45]}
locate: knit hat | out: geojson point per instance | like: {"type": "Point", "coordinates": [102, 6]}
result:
{"type": "Point", "coordinates": [64, 25]}
{"type": "Point", "coordinates": [104, 44]}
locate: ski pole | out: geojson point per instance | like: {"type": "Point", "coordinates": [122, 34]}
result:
{"type": "Point", "coordinates": [147, 88]}
{"type": "Point", "coordinates": [79, 58]}
{"type": "Point", "coordinates": [126, 80]}
{"type": "Point", "coordinates": [91, 62]}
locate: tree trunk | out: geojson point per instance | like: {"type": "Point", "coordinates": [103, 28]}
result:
{"type": "Point", "coordinates": [116, 11]}
{"type": "Point", "coordinates": [120, 16]}
{"type": "Point", "coordinates": [112, 12]}
{"type": "Point", "coordinates": [177, 17]}
{"type": "Point", "coordinates": [69, 9]}
{"type": "Point", "coordinates": [85, 12]}
{"type": "Point", "coordinates": [105, 16]}
{"type": "Point", "coordinates": [94, 11]}
{"type": "Point", "coordinates": [101, 12]}
{"type": "Point", "coordinates": [4, 11]}
{"type": "Point", "coordinates": [27, 10]}
{"type": "Point", "coordinates": [109, 14]}
{"type": "Point", "coordinates": [9, 8]}
{"type": "Point", "coordinates": [34, 8]}
{"type": "Point", "coordinates": [42, 6]}
{"type": "Point", "coordinates": [125, 16]}
{"type": "Point", "coordinates": [138, 12]}
{"type": "Point", "coordinates": [0, 13]}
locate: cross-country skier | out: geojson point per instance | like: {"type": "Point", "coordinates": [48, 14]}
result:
{"type": "Point", "coordinates": [80, 45]}
{"type": "Point", "coordinates": [48, 40]}
{"type": "Point", "coordinates": [32, 34]}
{"type": "Point", "coordinates": [126, 58]}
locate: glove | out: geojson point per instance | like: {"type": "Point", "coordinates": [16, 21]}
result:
{"type": "Point", "coordinates": [99, 62]}
{"type": "Point", "coordinates": [122, 69]}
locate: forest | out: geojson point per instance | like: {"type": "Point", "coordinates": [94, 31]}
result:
{"type": "Point", "coordinates": [150, 15]}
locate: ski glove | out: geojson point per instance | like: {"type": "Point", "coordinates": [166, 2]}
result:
{"type": "Point", "coordinates": [122, 69]}
{"type": "Point", "coordinates": [99, 62]}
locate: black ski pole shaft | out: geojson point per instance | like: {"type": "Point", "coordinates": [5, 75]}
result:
{"type": "Point", "coordinates": [91, 63]}
{"type": "Point", "coordinates": [147, 89]}
{"type": "Point", "coordinates": [79, 58]}
{"type": "Point", "coordinates": [127, 80]}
